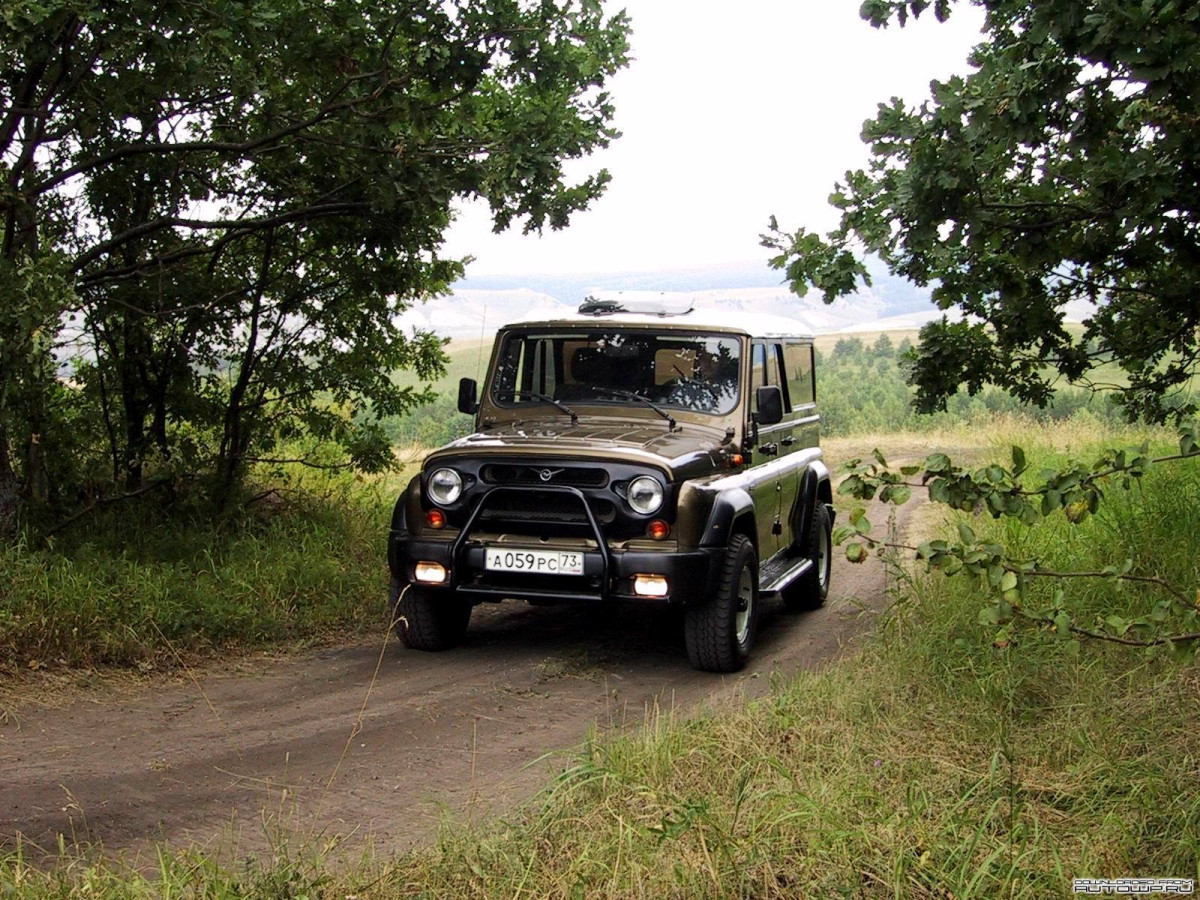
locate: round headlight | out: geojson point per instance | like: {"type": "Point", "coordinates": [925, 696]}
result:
{"type": "Point", "coordinates": [645, 494]}
{"type": "Point", "coordinates": [445, 486]}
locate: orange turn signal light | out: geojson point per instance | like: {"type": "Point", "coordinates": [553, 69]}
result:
{"type": "Point", "coordinates": [435, 518]}
{"type": "Point", "coordinates": [658, 529]}
{"type": "Point", "coordinates": [734, 460]}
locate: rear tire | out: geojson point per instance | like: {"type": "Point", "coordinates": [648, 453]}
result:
{"type": "Point", "coordinates": [810, 590]}
{"type": "Point", "coordinates": [429, 619]}
{"type": "Point", "coordinates": [719, 631]}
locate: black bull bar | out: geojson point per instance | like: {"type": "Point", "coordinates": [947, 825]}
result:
{"type": "Point", "coordinates": [458, 548]}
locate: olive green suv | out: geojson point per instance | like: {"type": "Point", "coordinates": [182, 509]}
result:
{"type": "Point", "coordinates": [633, 451]}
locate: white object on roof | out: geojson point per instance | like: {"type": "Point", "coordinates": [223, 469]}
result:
{"type": "Point", "coordinates": [660, 304]}
{"type": "Point", "coordinates": [650, 308]}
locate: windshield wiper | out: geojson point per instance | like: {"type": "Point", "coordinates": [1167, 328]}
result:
{"type": "Point", "coordinates": [632, 395]}
{"type": "Point", "coordinates": [570, 412]}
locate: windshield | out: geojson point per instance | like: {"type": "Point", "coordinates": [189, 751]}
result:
{"type": "Point", "coordinates": [623, 368]}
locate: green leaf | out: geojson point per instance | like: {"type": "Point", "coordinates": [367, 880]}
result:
{"type": "Point", "coordinates": [842, 532]}
{"type": "Point", "coordinates": [951, 565]}
{"type": "Point", "coordinates": [1018, 460]}
{"type": "Point", "coordinates": [856, 552]}
{"type": "Point", "coordinates": [1008, 581]}
{"type": "Point", "coordinates": [965, 533]}
{"type": "Point", "coordinates": [989, 615]}
{"type": "Point", "coordinates": [851, 486]}
{"type": "Point", "coordinates": [937, 463]}
{"type": "Point", "coordinates": [995, 574]}
{"type": "Point", "coordinates": [1062, 623]}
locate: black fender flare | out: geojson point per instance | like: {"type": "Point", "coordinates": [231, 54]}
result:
{"type": "Point", "coordinates": [815, 487]}
{"type": "Point", "coordinates": [399, 527]}
{"type": "Point", "coordinates": [729, 507]}
{"type": "Point", "coordinates": [400, 510]}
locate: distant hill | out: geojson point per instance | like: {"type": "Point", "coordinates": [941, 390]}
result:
{"type": "Point", "coordinates": [481, 304]}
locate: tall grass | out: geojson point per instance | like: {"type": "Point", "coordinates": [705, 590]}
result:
{"type": "Point", "coordinates": [931, 764]}
{"type": "Point", "coordinates": [136, 585]}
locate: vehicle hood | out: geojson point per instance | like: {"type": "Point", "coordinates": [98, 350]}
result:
{"type": "Point", "coordinates": [688, 451]}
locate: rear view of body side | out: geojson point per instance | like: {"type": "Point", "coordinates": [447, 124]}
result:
{"type": "Point", "coordinates": [625, 454]}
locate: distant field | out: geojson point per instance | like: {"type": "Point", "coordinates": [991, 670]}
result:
{"type": "Point", "coordinates": [468, 359]}
{"type": "Point", "coordinates": [826, 342]}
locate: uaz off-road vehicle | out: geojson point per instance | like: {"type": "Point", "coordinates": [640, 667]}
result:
{"type": "Point", "coordinates": [628, 452]}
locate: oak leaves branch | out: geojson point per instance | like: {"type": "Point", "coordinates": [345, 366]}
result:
{"type": "Point", "coordinates": [1075, 490]}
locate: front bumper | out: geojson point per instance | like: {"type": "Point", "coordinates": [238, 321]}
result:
{"type": "Point", "coordinates": [607, 575]}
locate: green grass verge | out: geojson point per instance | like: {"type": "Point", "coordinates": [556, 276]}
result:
{"type": "Point", "coordinates": [931, 764]}
{"type": "Point", "coordinates": [132, 586]}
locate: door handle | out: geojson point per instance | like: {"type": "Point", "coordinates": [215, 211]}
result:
{"type": "Point", "coordinates": [788, 441]}
{"type": "Point", "coordinates": [769, 449]}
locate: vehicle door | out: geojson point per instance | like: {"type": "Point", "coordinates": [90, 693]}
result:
{"type": "Point", "coordinates": [784, 436]}
{"type": "Point", "coordinates": [805, 424]}
{"type": "Point", "coordinates": [766, 488]}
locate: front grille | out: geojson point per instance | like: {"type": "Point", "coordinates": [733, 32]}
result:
{"type": "Point", "coordinates": [581, 477]}
{"type": "Point", "coordinates": [550, 507]}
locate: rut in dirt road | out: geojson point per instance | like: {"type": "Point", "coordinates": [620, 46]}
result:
{"type": "Point", "coordinates": [455, 730]}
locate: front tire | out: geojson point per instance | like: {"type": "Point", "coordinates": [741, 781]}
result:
{"type": "Point", "coordinates": [811, 589]}
{"type": "Point", "coordinates": [429, 619]}
{"type": "Point", "coordinates": [719, 631]}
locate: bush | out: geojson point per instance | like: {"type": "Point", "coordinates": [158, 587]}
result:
{"type": "Point", "coordinates": [135, 583]}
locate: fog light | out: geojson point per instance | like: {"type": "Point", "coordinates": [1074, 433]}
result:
{"type": "Point", "coordinates": [435, 518]}
{"type": "Point", "coordinates": [650, 585]}
{"type": "Point", "coordinates": [658, 529]}
{"type": "Point", "coordinates": [430, 573]}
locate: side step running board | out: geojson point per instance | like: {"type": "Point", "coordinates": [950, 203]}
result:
{"type": "Point", "coordinates": [780, 579]}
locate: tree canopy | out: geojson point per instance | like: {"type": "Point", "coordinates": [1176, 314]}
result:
{"type": "Point", "coordinates": [212, 213]}
{"type": "Point", "coordinates": [1063, 171]}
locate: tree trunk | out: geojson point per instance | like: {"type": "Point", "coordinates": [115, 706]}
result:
{"type": "Point", "coordinates": [10, 491]}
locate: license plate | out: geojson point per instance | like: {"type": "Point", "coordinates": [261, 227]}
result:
{"type": "Point", "coordinates": [541, 562]}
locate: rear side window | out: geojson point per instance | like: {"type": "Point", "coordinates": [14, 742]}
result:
{"type": "Point", "coordinates": [798, 360]}
{"type": "Point", "coordinates": [768, 368]}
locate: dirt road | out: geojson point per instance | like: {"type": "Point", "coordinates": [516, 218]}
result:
{"type": "Point", "coordinates": [456, 730]}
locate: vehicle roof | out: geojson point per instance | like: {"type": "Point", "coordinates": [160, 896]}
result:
{"type": "Point", "coordinates": [677, 315]}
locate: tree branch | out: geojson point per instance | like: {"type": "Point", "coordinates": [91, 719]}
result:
{"type": "Point", "coordinates": [105, 501]}
{"type": "Point", "coordinates": [231, 225]}
{"type": "Point", "coordinates": [241, 148]}
{"type": "Point", "coordinates": [1112, 638]}
{"type": "Point", "coordinates": [298, 461]}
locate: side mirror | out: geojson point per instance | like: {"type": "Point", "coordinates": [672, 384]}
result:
{"type": "Point", "coordinates": [468, 401]}
{"type": "Point", "coordinates": [770, 404]}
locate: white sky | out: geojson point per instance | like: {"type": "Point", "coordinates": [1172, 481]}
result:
{"type": "Point", "coordinates": [731, 112]}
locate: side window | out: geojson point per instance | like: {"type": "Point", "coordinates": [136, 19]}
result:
{"type": "Point", "coordinates": [772, 364]}
{"type": "Point", "coordinates": [799, 358]}
{"type": "Point", "coordinates": [758, 372]}
{"type": "Point", "coordinates": [779, 375]}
